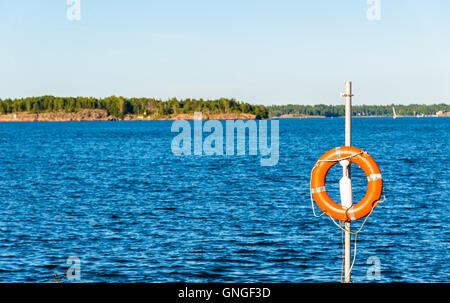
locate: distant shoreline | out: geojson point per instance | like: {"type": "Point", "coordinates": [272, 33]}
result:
{"type": "Point", "coordinates": [315, 117]}
{"type": "Point", "coordinates": [50, 108]}
{"type": "Point", "coordinates": [103, 115]}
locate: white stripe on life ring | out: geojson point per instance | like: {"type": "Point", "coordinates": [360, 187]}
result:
{"type": "Point", "coordinates": [374, 177]}
{"type": "Point", "coordinates": [338, 153]}
{"type": "Point", "coordinates": [317, 190]}
{"type": "Point", "coordinates": [351, 213]}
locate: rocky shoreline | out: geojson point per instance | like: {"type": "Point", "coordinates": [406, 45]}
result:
{"type": "Point", "coordinates": [290, 116]}
{"type": "Point", "coordinates": [102, 115]}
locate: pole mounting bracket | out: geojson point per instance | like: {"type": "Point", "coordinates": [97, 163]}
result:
{"type": "Point", "coordinates": [344, 95]}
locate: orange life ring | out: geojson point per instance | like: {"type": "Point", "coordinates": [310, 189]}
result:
{"type": "Point", "coordinates": [374, 180]}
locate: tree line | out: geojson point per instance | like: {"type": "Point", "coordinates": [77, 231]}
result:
{"type": "Point", "coordinates": [121, 106]}
{"type": "Point", "coordinates": [358, 110]}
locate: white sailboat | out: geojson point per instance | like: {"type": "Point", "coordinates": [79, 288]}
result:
{"type": "Point", "coordinates": [395, 114]}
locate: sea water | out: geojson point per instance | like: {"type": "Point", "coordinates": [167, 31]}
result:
{"type": "Point", "coordinates": [113, 196]}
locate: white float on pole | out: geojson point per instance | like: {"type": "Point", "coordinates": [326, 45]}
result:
{"type": "Point", "coordinates": [345, 183]}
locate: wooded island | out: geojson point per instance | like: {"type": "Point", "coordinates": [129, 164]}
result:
{"type": "Point", "coordinates": [51, 108]}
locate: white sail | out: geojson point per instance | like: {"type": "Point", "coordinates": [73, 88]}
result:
{"type": "Point", "coordinates": [395, 114]}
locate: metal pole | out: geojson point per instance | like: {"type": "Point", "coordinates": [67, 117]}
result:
{"type": "Point", "coordinates": [348, 141]}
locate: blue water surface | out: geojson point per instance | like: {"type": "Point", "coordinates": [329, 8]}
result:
{"type": "Point", "coordinates": [114, 195]}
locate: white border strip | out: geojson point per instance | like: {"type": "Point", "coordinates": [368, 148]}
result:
{"type": "Point", "coordinates": [374, 177]}
{"type": "Point", "coordinates": [318, 190]}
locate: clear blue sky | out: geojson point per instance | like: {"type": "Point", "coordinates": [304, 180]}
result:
{"type": "Point", "coordinates": [263, 52]}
